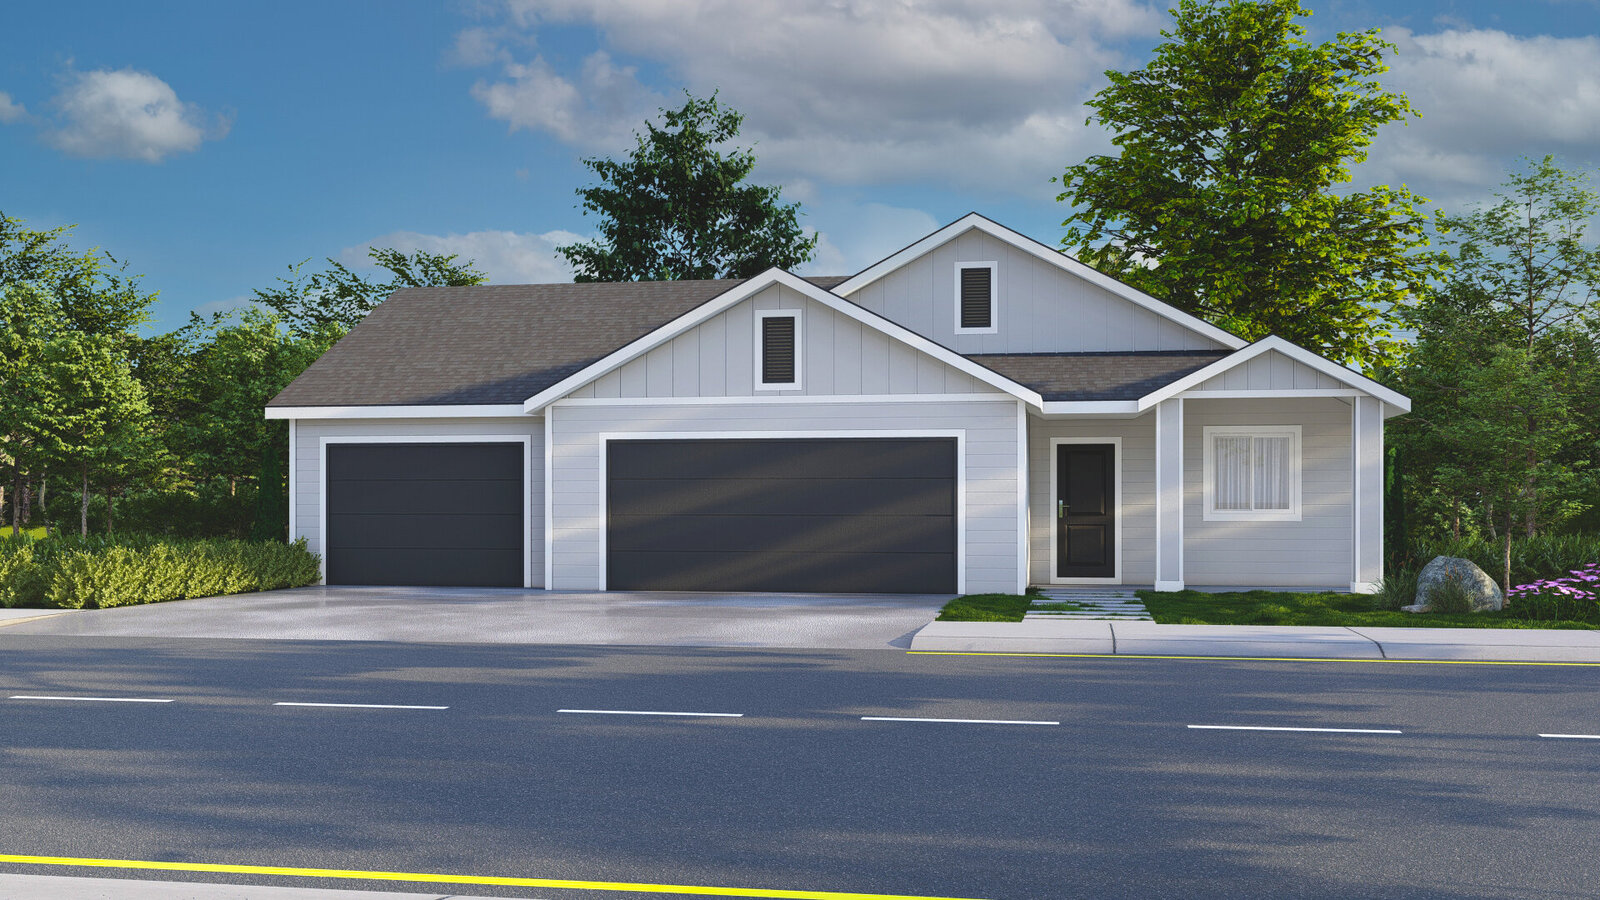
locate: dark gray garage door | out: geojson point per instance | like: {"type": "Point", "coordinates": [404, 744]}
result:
{"type": "Point", "coordinates": [425, 514]}
{"type": "Point", "coordinates": [826, 515]}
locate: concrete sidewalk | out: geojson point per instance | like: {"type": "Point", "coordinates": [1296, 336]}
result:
{"type": "Point", "coordinates": [1300, 642]}
{"type": "Point", "coordinates": [51, 887]}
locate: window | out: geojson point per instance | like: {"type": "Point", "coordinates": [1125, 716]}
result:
{"type": "Point", "coordinates": [1252, 473]}
{"type": "Point", "coordinates": [778, 349]}
{"type": "Point", "coordinates": [975, 298]}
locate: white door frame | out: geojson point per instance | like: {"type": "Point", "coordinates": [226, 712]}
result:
{"type": "Point", "coordinates": [1116, 507]}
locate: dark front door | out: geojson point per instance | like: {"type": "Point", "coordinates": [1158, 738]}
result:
{"type": "Point", "coordinates": [825, 515]}
{"type": "Point", "coordinates": [1085, 515]}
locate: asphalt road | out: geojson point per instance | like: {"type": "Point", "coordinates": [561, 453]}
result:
{"type": "Point", "coordinates": [1120, 799]}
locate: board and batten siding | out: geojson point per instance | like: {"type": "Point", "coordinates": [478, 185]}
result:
{"type": "Point", "coordinates": [989, 429]}
{"type": "Point", "coordinates": [1271, 371]}
{"type": "Point", "coordinates": [838, 355]}
{"type": "Point", "coordinates": [1138, 491]}
{"type": "Point", "coordinates": [307, 485]}
{"type": "Point", "coordinates": [1313, 552]}
{"type": "Point", "coordinates": [1040, 308]}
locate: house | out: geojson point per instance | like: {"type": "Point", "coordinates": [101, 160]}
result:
{"type": "Point", "coordinates": [977, 412]}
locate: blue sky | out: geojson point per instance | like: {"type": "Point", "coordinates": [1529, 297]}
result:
{"type": "Point", "coordinates": [212, 144]}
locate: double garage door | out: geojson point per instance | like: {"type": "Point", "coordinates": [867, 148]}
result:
{"type": "Point", "coordinates": [811, 515]}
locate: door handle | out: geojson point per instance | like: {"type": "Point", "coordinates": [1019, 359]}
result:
{"type": "Point", "coordinates": [1061, 509]}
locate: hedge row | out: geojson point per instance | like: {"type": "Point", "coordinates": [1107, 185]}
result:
{"type": "Point", "coordinates": [100, 572]}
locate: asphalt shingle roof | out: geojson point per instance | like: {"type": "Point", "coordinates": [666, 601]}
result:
{"type": "Point", "coordinates": [490, 343]}
{"type": "Point", "coordinates": [1097, 376]}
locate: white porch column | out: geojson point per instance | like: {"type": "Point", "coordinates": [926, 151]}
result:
{"type": "Point", "coordinates": [1169, 495]}
{"type": "Point", "coordinates": [1366, 491]}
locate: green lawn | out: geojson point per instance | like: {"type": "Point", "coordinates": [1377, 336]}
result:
{"type": "Point", "coordinates": [1284, 608]}
{"type": "Point", "coordinates": [986, 608]}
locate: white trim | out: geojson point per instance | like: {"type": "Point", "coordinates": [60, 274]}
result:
{"type": "Point", "coordinates": [462, 411]}
{"type": "Point", "coordinates": [1050, 255]}
{"type": "Point", "coordinates": [1168, 585]}
{"type": "Point", "coordinates": [1295, 352]}
{"type": "Point", "coordinates": [1210, 513]}
{"type": "Point", "coordinates": [1116, 508]}
{"type": "Point", "coordinates": [1363, 587]}
{"type": "Point", "coordinates": [994, 297]}
{"type": "Point", "coordinates": [795, 398]}
{"type": "Point", "coordinates": [749, 288]}
{"type": "Point", "coordinates": [1179, 487]}
{"type": "Point", "coordinates": [1103, 408]}
{"type": "Point", "coordinates": [1289, 393]}
{"type": "Point", "coordinates": [292, 471]}
{"type": "Point", "coordinates": [549, 500]}
{"type": "Point", "coordinates": [525, 440]}
{"type": "Point", "coordinates": [959, 434]}
{"type": "Point", "coordinates": [760, 355]}
{"type": "Point", "coordinates": [1355, 492]}
{"type": "Point", "coordinates": [1025, 546]}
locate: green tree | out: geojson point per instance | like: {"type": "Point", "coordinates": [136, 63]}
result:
{"type": "Point", "coordinates": [1221, 200]}
{"type": "Point", "coordinates": [339, 297]}
{"type": "Point", "coordinates": [677, 208]}
{"type": "Point", "coordinates": [29, 321]}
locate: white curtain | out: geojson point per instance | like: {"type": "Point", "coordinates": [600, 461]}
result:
{"type": "Point", "coordinates": [1272, 472]}
{"type": "Point", "coordinates": [1231, 456]}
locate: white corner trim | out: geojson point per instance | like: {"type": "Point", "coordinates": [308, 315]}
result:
{"type": "Point", "coordinates": [1169, 585]}
{"type": "Point", "coordinates": [1355, 491]}
{"type": "Point", "coordinates": [1038, 250]}
{"type": "Point", "coordinates": [461, 411]}
{"type": "Point", "coordinates": [1209, 511]}
{"type": "Point", "coordinates": [959, 434]}
{"type": "Point", "coordinates": [525, 440]}
{"type": "Point", "coordinates": [760, 354]}
{"type": "Point", "coordinates": [1295, 352]}
{"type": "Point", "coordinates": [810, 291]}
{"type": "Point", "coordinates": [292, 472]}
{"type": "Point", "coordinates": [1024, 544]}
{"type": "Point", "coordinates": [994, 297]}
{"type": "Point", "coordinates": [1116, 508]}
{"type": "Point", "coordinates": [549, 500]}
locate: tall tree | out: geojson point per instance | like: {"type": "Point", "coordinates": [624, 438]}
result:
{"type": "Point", "coordinates": [339, 297]}
{"type": "Point", "coordinates": [1222, 201]}
{"type": "Point", "coordinates": [678, 207]}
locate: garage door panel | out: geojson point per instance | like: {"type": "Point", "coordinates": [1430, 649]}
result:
{"type": "Point", "coordinates": [920, 573]}
{"type": "Point", "coordinates": [461, 567]}
{"type": "Point", "coordinates": [826, 514]}
{"type": "Point", "coordinates": [427, 497]}
{"type": "Point", "coordinates": [407, 462]}
{"type": "Point", "coordinates": [810, 534]}
{"type": "Point", "coordinates": [731, 496]}
{"type": "Point", "coordinates": [349, 530]}
{"type": "Point", "coordinates": [426, 514]}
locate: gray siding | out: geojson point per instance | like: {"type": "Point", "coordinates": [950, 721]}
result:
{"type": "Point", "coordinates": [1315, 551]}
{"type": "Point", "coordinates": [1271, 371]}
{"type": "Point", "coordinates": [838, 356]}
{"type": "Point", "coordinates": [1040, 308]}
{"type": "Point", "coordinates": [992, 543]}
{"type": "Point", "coordinates": [1138, 491]}
{"type": "Point", "coordinates": [307, 486]}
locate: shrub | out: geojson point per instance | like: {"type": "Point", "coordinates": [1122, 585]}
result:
{"type": "Point", "coordinates": [1542, 556]}
{"type": "Point", "coordinates": [1449, 595]}
{"type": "Point", "coordinates": [101, 572]}
{"type": "Point", "coordinates": [1398, 588]}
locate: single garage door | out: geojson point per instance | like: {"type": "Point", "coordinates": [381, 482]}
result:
{"type": "Point", "coordinates": [425, 514]}
{"type": "Point", "coordinates": [824, 515]}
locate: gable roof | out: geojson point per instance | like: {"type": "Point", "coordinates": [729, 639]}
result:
{"type": "Point", "coordinates": [489, 344]}
{"type": "Point", "coordinates": [1299, 354]}
{"type": "Point", "coordinates": [974, 221]}
{"type": "Point", "coordinates": [1126, 375]}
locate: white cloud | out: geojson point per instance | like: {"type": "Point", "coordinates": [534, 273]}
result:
{"type": "Point", "coordinates": [1485, 97]}
{"type": "Point", "coordinates": [127, 114]}
{"type": "Point", "coordinates": [10, 110]}
{"type": "Point", "coordinates": [976, 92]}
{"type": "Point", "coordinates": [507, 257]}
{"type": "Point", "coordinates": [212, 307]}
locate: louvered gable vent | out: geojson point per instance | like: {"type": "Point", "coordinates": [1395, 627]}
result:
{"type": "Point", "coordinates": [976, 311]}
{"type": "Point", "coordinates": [777, 350]}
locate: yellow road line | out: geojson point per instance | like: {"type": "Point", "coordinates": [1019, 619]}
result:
{"type": "Point", "coordinates": [435, 878]}
{"type": "Point", "coordinates": [1326, 659]}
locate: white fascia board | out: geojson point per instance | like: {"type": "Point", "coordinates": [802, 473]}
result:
{"type": "Point", "coordinates": [1112, 408]}
{"type": "Point", "coordinates": [759, 283]}
{"type": "Point", "coordinates": [1299, 354]}
{"type": "Point", "coordinates": [1050, 255]}
{"type": "Point", "coordinates": [461, 411]}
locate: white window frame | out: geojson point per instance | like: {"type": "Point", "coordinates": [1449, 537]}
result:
{"type": "Point", "coordinates": [761, 350]}
{"type": "Point", "coordinates": [994, 294]}
{"type": "Point", "coordinates": [1208, 473]}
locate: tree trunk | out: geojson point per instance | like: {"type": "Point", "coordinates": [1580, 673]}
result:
{"type": "Point", "coordinates": [25, 502]}
{"type": "Point", "coordinates": [83, 509]}
{"type": "Point", "coordinates": [1455, 521]}
{"type": "Point", "coordinates": [44, 486]}
{"type": "Point", "coordinates": [111, 508]}
{"type": "Point", "coordinates": [233, 485]}
{"type": "Point", "coordinates": [16, 491]}
{"type": "Point", "coordinates": [1507, 559]}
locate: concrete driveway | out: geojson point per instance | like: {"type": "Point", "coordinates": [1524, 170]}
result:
{"type": "Point", "coordinates": [513, 616]}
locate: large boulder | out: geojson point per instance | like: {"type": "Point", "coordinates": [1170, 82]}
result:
{"type": "Point", "coordinates": [1483, 590]}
